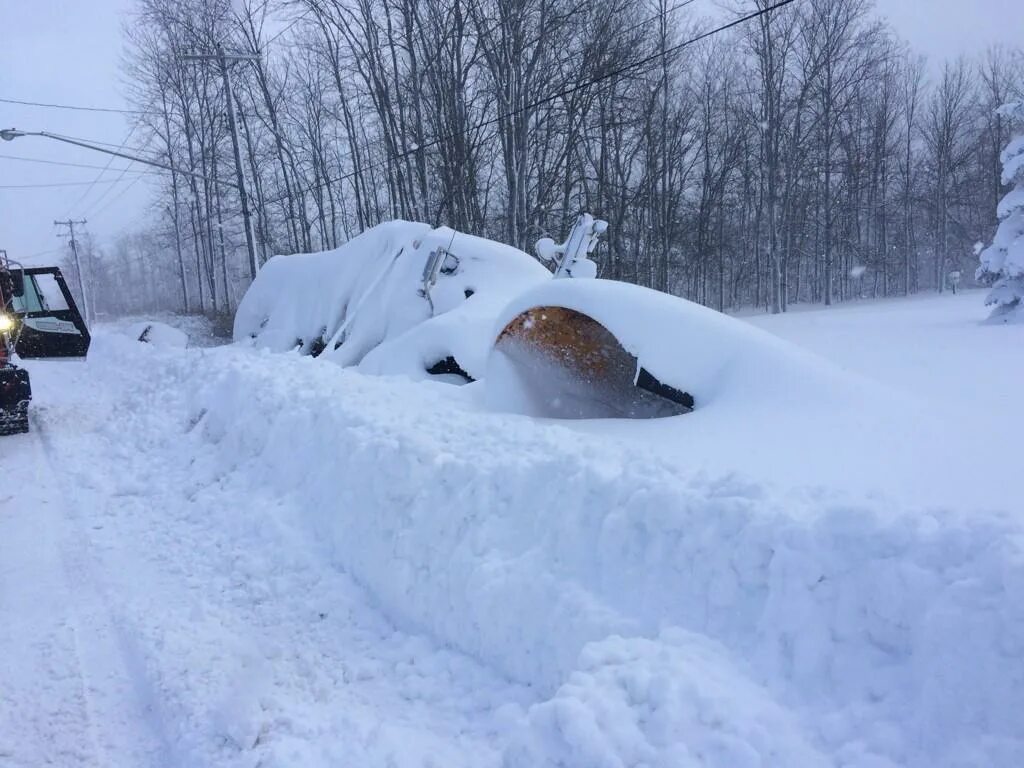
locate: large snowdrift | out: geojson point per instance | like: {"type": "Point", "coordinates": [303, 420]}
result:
{"type": "Point", "coordinates": [815, 629]}
{"type": "Point", "coordinates": [363, 304]}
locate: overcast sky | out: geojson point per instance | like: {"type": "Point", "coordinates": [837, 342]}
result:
{"type": "Point", "coordinates": [67, 52]}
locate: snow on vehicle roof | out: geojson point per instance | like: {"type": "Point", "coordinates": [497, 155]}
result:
{"type": "Point", "coordinates": [363, 300]}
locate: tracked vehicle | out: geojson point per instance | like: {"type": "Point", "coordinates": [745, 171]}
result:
{"type": "Point", "coordinates": [38, 319]}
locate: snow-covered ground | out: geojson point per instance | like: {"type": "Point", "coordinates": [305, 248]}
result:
{"type": "Point", "coordinates": [236, 558]}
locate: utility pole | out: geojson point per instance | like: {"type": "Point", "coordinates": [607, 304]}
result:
{"type": "Point", "coordinates": [224, 59]}
{"type": "Point", "coordinates": [70, 224]}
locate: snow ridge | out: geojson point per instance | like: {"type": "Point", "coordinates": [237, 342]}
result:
{"type": "Point", "coordinates": [888, 635]}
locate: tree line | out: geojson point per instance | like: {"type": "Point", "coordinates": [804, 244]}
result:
{"type": "Point", "coordinates": [803, 155]}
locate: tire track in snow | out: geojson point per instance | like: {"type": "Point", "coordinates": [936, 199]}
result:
{"type": "Point", "coordinates": [116, 685]}
{"type": "Point", "coordinates": [45, 713]}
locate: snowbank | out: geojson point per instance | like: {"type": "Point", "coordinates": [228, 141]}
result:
{"type": "Point", "coordinates": [867, 633]}
{"type": "Point", "coordinates": [362, 302]}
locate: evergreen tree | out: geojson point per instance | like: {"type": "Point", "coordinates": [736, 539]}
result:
{"type": "Point", "coordinates": [1002, 263]}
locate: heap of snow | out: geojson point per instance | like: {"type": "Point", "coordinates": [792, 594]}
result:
{"type": "Point", "coordinates": [362, 303]}
{"type": "Point", "coordinates": [157, 334]}
{"type": "Point", "coordinates": [871, 633]}
{"type": "Point", "coordinates": [1002, 263]}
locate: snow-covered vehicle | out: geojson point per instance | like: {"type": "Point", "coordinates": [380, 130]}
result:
{"type": "Point", "coordinates": [372, 302]}
{"type": "Point", "coordinates": [405, 298]}
{"type": "Point", "coordinates": [38, 319]}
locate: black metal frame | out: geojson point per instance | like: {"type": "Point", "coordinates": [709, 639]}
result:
{"type": "Point", "coordinates": [36, 342]}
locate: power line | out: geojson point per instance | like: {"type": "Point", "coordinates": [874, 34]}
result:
{"type": "Point", "coordinates": [658, 15]}
{"type": "Point", "coordinates": [295, 21]}
{"type": "Point", "coordinates": [106, 192]}
{"type": "Point", "coordinates": [41, 253]}
{"type": "Point", "coordinates": [379, 142]}
{"type": "Point", "coordinates": [303, 15]}
{"type": "Point", "coordinates": [76, 107]}
{"type": "Point", "coordinates": [639, 64]}
{"type": "Point", "coordinates": [69, 165]}
{"type": "Point", "coordinates": [12, 133]}
{"type": "Point", "coordinates": [116, 197]}
{"type": "Point", "coordinates": [100, 174]}
{"type": "Point", "coordinates": [88, 141]}
{"type": "Point", "coordinates": [58, 184]}
{"type": "Point", "coordinates": [152, 113]}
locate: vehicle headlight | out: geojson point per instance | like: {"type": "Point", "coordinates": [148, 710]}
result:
{"type": "Point", "coordinates": [6, 322]}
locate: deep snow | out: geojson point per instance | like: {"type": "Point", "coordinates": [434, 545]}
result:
{"type": "Point", "coordinates": [232, 557]}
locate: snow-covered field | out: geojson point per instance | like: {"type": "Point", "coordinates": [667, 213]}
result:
{"type": "Point", "coordinates": [230, 557]}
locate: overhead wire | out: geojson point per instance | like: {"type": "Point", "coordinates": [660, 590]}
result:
{"type": "Point", "coordinates": [639, 64]}
{"type": "Point", "coordinates": [379, 142]}
{"type": "Point", "coordinates": [42, 253]}
{"type": "Point", "coordinates": [152, 113]}
{"type": "Point", "coordinates": [434, 141]}
{"type": "Point", "coordinates": [89, 141]}
{"type": "Point", "coordinates": [76, 107]}
{"type": "Point", "coordinates": [418, 148]}
{"type": "Point", "coordinates": [85, 194]}
{"type": "Point", "coordinates": [58, 184]}
{"type": "Point", "coordinates": [106, 192]}
{"type": "Point", "coordinates": [295, 21]}
{"type": "Point", "coordinates": [69, 165]}
{"type": "Point", "coordinates": [116, 197]}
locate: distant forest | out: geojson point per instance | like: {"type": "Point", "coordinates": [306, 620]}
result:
{"type": "Point", "coordinates": [804, 154]}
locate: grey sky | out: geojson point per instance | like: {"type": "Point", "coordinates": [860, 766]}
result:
{"type": "Point", "coordinates": [61, 51]}
{"type": "Point", "coordinates": [944, 29]}
{"type": "Point", "coordinates": [67, 51]}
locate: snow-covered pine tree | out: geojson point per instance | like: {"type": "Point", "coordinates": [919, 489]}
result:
{"type": "Point", "coordinates": [1002, 263]}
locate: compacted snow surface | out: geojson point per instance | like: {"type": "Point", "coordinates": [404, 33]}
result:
{"type": "Point", "coordinates": [232, 557]}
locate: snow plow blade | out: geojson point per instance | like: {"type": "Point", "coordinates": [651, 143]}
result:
{"type": "Point", "coordinates": [568, 365]}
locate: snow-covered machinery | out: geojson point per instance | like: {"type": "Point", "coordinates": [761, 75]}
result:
{"type": "Point", "coordinates": [567, 363]}
{"type": "Point", "coordinates": [404, 298]}
{"type": "Point", "coordinates": [38, 319]}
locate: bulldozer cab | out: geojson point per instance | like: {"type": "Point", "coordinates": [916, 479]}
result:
{"type": "Point", "coordinates": [49, 323]}
{"type": "Point", "coordinates": [38, 319]}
